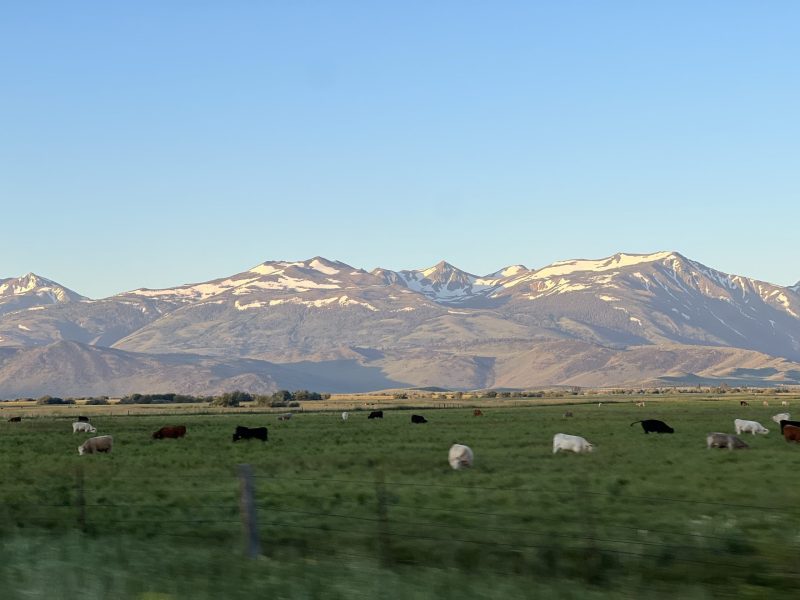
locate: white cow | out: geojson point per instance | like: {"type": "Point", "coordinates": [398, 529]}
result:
{"type": "Point", "coordinates": [575, 443]}
{"type": "Point", "coordinates": [344, 416]}
{"type": "Point", "coordinates": [83, 426]}
{"type": "Point", "coordinates": [744, 426]}
{"type": "Point", "coordinates": [781, 417]}
{"type": "Point", "coordinates": [784, 403]}
{"type": "Point", "coordinates": [103, 443]}
{"type": "Point", "coordinates": [724, 440]}
{"type": "Point", "coordinates": [460, 456]}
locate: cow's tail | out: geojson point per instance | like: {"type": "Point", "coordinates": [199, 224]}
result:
{"type": "Point", "coordinates": [634, 423]}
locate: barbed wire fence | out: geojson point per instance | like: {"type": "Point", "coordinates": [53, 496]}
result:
{"type": "Point", "coordinates": [387, 531]}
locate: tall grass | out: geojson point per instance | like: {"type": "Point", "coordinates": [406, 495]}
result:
{"type": "Point", "coordinates": [372, 507]}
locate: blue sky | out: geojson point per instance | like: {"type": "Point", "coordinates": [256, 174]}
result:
{"type": "Point", "coordinates": [159, 143]}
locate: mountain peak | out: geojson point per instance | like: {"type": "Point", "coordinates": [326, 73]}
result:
{"type": "Point", "coordinates": [617, 261]}
{"type": "Point", "coordinates": [509, 271]}
{"type": "Point", "coordinates": [32, 290]}
{"type": "Point", "coordinates": [441, 267]}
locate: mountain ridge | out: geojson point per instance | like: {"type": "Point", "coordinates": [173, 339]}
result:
{"type": "Point", "coordinates": [442, 325]}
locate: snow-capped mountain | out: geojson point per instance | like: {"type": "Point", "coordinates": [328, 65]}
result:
{"type": "Point", "coordinates": [31, 290]}
{"type": "Point", "coordinates": [610, 321]}
{"type": "Point", "coordinates": [445, 284]}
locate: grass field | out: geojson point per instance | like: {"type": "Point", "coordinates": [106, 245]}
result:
{"type": "Point", "coordinates": [372, 509]}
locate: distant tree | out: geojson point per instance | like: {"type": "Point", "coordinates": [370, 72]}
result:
{"type": "Point", "coordinates": [491, 394]}
{"type": "Point", "coordinates": [234, 398]}
{"type": "Point", "coordinates": [282, 396]}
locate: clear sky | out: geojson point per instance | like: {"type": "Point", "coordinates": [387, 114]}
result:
{"type": "Point", "coordinates": [158, 143]}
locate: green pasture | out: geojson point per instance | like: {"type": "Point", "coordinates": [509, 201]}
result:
{"type": "Point", "coordinates": [372, 509]}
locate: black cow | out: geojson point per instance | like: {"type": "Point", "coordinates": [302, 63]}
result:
{"type": "Point", "coordinates": [654, 426]}
{"type": "Point", "coordinates": [250, 433]}
{"type": "Point", "coordinates": [376, 414]}
{"type": "Point", "coordinates": [15, 419]}
{"type": "Point", "coordinates": [785, 423]}
{"type": "Point", "coordinates": [418, 419]}
{"type": "Point", "coordinates": [83, 419]}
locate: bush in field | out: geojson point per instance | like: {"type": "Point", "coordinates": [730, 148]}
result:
{"type": "Point", "coordinates": [54, 400]}
{"type": "Point", "coordinates": [160, 399]}
{"type": "Point", "coordinates": [97, 401]}
{"type": "Point", "coordinates": [234, 398]}
{"type": "Point", "coordinates": [305, 395]}
{"type": "Point", "coordinates": [283, 398]}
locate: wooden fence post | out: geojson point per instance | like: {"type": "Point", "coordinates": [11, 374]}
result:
{"type": "Point", "coordinates": [383, 519]}
{"type": "Point", "coordinates": [80, 499]}
{"type": "Point", "coordinates": [247, 507]}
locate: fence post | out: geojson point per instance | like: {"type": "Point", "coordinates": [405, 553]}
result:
{"type": "Point", "coordinates": [247, 507]}
{"type": "Point", "coordinates": [383, 519]}
{"type": "Point", "coordinates": [80, 498]}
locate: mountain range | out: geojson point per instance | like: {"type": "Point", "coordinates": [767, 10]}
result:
{"type": "Point", "coordinates": [629, 319]}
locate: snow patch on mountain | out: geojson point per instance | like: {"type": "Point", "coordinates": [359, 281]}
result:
{"type": "Point", "coordinates": [618, 261]}
{"type": "Point", "coordinates": [342, 301]}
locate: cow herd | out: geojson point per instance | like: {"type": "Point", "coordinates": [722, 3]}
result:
{"type": "Point", "coordinates": [459, 455]}
{"type": "Point", "coordinates": [789, 429]}
{"type": "Point", "coordinates": [105, 443]}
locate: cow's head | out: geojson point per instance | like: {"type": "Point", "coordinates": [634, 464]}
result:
{"type": "Point", "coordinates": [80, 450]}
{"type": "Point", "coordinates": [589, 448]}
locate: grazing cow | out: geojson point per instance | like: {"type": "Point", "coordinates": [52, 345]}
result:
{"type": "Point", "coordinates": [599, 404]}
{"type": "Point", "coordinates": [764, 403]}
{"type": "Point", "coordinates": [250, 433]}
{"type": "Point", "coordinates": [82, 426]}
{"type": "Point", "coordinates": [654, 426]}
{"type": "Point", "coordinates": [575, 443]}
{"type": "Point", "coordinates": [175, 432]}
{"type": "Point", "coordinates": [285, 417]}
{"type": "Point", "coordinates": [744, 426]}
{"type": "Point", "coordinates": [784, 403]}
{"type": "Point", "coordinates": [477, 413]}
{"type": "Point", "coordinates": [344, 416]}
{"type": "Point", "coordinates": [418, 419]}
{"type": "Point", "coordinates": [568, 414]}
{"type": "Point", "coordinates": [791, 433]}
{"type": "Point", "coordinates": [102, 443]}
{"type": "Point", "coordinates": [640, 403]}
{"type": "Point", "coordinates": [15, 419]}
{"type": "Point", "coordinates": [724, 440]}
{"type": "Point", "coordinates": [460, 456]}
{"type": "Point", "coordinates": [783, 424]}
{"type": "Point", "coordinates": [781, 417]}
{"type": "Point", "coordinates": [376, 414]}
{"type": "Point", "coordinates": [743, 403]}
{"type": "Point", "coordinates": [83, 419]}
